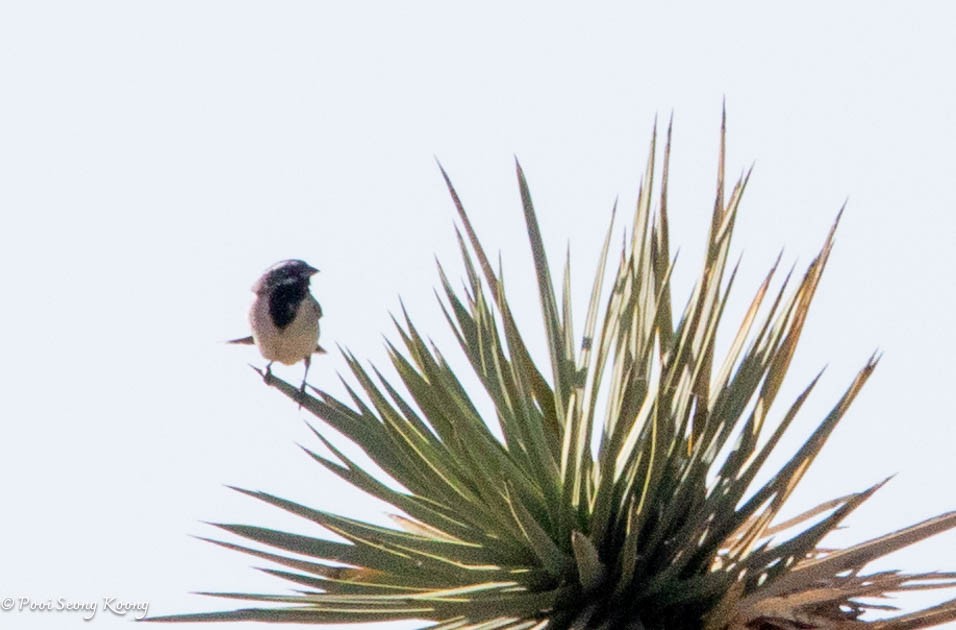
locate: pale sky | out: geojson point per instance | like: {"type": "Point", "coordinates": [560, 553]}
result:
{"type": "Point", "coordinates": [156, 157]}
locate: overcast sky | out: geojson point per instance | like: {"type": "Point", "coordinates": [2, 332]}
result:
{"type": "Point", "coordinates": [156, 157]}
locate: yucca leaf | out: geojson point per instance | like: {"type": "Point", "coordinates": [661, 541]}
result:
{"type": "Point", "coordinates": [362, 614]}
{"type": "Point", "coordinates": [590, 568]}
{"type": "Point", "coordinates": [336, 579]}
{"type": "Point", "coordinates": [543, 393]}
{"type": "Point", "coordinates": [782, 484]}
{"type": "Point", "coordinates": [460, 525]}
{"type": "Point", "coordinates": [860, 554]}
{"type": "Point", "coordinates": [660, 253]}
{"type": "Point", "coordinates": [319, 548]}
{"type": "Point", "coordinates": [561, 361]}
{"type": "Point", "coordinates": [553, 559]}
{"type": "Point", "coordinates": [458, 553]}
{"type": "Point", "coordinates": [767, 565]}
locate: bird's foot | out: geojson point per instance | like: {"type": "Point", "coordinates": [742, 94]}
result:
{"type": "Point", "coordinates": [301, 394]}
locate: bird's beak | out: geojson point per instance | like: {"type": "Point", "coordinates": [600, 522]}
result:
{"type": "Point", "coordinates": [313, 271]}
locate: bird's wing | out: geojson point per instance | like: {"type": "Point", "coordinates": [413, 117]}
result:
{"type": "Point", "coordinates": [248, 341]}
{"type": "Point", "coordinates": [318, 307]}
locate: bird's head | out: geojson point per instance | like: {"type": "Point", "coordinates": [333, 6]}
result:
{"type": "Point", "coordinates": [284, 272]}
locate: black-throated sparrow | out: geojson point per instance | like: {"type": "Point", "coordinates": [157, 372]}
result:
{"type": "Point", "coordinates": [284, 316]}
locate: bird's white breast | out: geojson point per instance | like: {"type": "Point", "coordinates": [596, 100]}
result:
{"type": "Point", "coordinates": [290, 344]}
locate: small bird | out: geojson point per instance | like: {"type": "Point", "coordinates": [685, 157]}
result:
{"type": "Point", "coordinates": [284, 316]}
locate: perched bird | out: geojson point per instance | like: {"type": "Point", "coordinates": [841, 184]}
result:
{"type": "Point", "coordinates": [284, 316]}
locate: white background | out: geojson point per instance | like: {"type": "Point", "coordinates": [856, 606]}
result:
{"type": "Point", "coordinates": [156, 157]}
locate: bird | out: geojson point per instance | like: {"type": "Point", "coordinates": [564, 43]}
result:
{"type": "Point", "coordinates": [284, 316]}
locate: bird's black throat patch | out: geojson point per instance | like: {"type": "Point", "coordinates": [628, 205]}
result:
{"type": "Point", "coordinates": [284, 301]}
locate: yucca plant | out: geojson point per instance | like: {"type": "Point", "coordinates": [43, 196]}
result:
{"type": "Point", "coordinates": [622, 491]}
